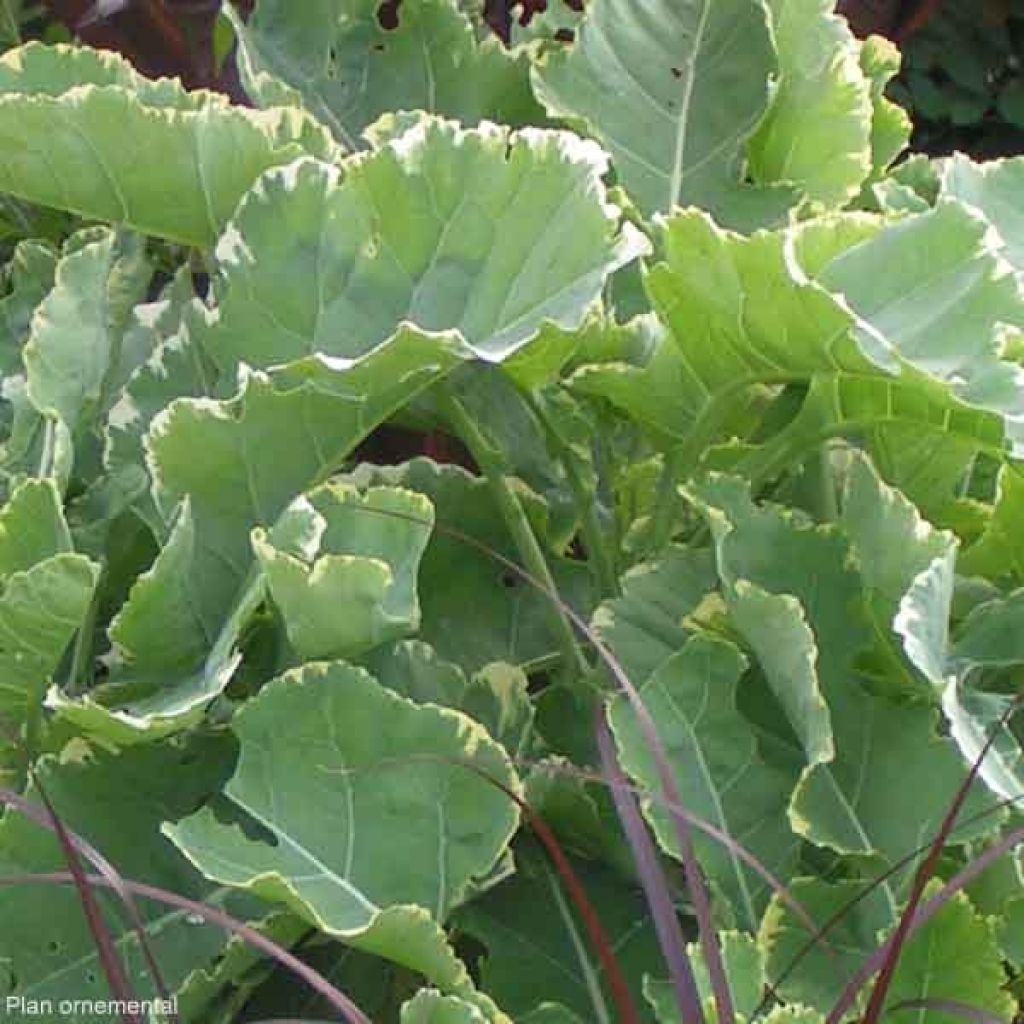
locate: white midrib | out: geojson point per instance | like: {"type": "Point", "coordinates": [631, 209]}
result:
{"type": "Point", "coordinates": [676, 181]}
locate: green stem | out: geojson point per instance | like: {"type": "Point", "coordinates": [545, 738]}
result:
{"type": "Point", "coordinates": [10, 28]}
{"type": "Point", "coordinates": [601, 555]}
{"type": "Point", "coordinates": [666, 498]}
{"type": "Point", "coordinates": [518, 524]}
{"type": "Point", "coordinates": [81, 658]}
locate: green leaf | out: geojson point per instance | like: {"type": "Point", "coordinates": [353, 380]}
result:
{"type": "Point", "coordinates": [763, 585]}
{"type": "Point", "coordinates": [994, 189]}
{"type": "Point", "coordinates": [717, 767]}
{"type": "Point", "coordinates": [673, 92]}
{"type": "Point", "coordinates": [918, 346]}
{"type": "Point", "coordinates": [743, 961]}
{"type": "Point", "coordinates": [990, 636]}
{"type": "Point", "coordinates": [73, 353]}
{"type": "Point", "coordinates": [475, 610]}
{"type": "Point", "coordinates": [646, 625]}
{"type": "Point", "coordinates": [998, 553]}
{"type": "Point", "coordinates": [430, 1007]}
{"type": "Point", "coordinates": [486, 232]}
{"type": "Point", "coordinates": [892, 545]}
{"type": "Point", "coordinates": [954, 957]}
{"type": "Point", "coordinates": [354, 587]}
{"type": "Point", "coordinates": [349, 69]}
{"type": "Point", "coordinates": [83, 132]}
{"type": "Point", "coordinates": [822, 973]}
{"type": "Point", "coordinates": [400, 821]}
{"type": "Point", "coordinates": [942, 305]}
{"type": "Point", "coordinates": [177, 367]}
{"type": "Point", "coordinates": [28, 276]}
{"type": "Point", "coordinates": [497, 696]}
{"type": "Point", "coordinates": [534, 958]}
{"type": "Point", "coordinates": [842, 800]}
{"type": "Point", "coordinates": [816, 133]}
{"type": "Point", "coordinates": [890, 123]}
{"type": "Point", "coordinates": [46, 591]}
{"type": "Point", "coordinates": [116, 802]}
{"type": "Point", "coordinates": [285, 432]}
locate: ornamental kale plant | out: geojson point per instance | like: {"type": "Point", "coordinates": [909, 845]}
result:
{"type": "Point", "coordinates": [537, 531]}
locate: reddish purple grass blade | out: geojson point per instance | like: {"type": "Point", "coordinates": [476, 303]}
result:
{"type": "Point", "coordinates": [351, 1013]}
{"type": "Point", "coordinates": [925, 913]}
{"type": "Point", "coordinates": [652, 878]}
{"type": "Point", "coordinates": [894, 946]}
{"type": "Point", "coordinates": [105, 868]}
{"type": "Point", "coordinates": [699, 897]}
{"type": "Point", "coordinates": [820, 934]}
{"type": "Point", "coordinates": [574, 888]}
{"type": "Point", "coordinates": [113, 968]}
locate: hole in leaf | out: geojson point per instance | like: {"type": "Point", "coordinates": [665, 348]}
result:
{"type": "Point", "coordinates": [90, 977]}
{"type": "Point", "coordinates": [565, 35]}
{"type": "Point", "coordinates": [531, 8]}
{"type": "Point", "coordinates": [676, 73]}
{"type": "Point", "coordinates": [509, 580]}
{"type": "Point", "coordinates": [54, 947]}
{"type": "Point", "coordinates": [387, 15]}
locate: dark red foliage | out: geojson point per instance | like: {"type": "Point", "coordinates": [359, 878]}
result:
{"type": "Point", "coordinates": [162, 38]}
{"type": "Point", "coordinates": [896, 19]}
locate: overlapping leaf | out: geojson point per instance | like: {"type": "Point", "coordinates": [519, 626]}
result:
{"type": "Point", "coordinates": [349, 67]}
{"type": "Point", "coordinates": [817, 132]}
{"type": "Point", "coordinates": [718, 770]}
{"type": "Point", "coordinates": [46, 590]}
{"type": "Point", "coordinates": [474, 609]}
{"type": "Point", "coordinates": [117, 803]}
{"type": "Point", "coordinates": [81, 131]}
{"type": "Point", "coordinates": [486, 232]}
{"type": "Point", "coordinates": [361, 555]}
{"type": "Point", "coordinates": [919, 345]}
{"type": "Point", "coordinates": [359, 813]}
{"type": "Point", "coordinates": [285, 432]}
{"type": "Point", "coordinates": [842, 800]}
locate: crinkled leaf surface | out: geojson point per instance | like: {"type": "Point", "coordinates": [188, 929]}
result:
{"type": "Point", "coordinates": [890, 124]}
{"type": "Point", "coordinates": [497, 696]}
{"type": "Point", "coordinates": [645, 625]}
{"type": "Point", "coordinates": [81, 131]}
{"type": "Point", "coordinates": [817, 131]}
{"type": "Point", "coordinates": [74, 345]}
{"type": "Point", "coordinates": [990, 636]}
{"type": "Point", "coordinates": [354, 587]}
{"type": "Point", "coordinates": [359, 806]}
{"type": "Point", "coordinates": [954, 957]}
{"type": "Point", "coordinates": [918, 345]}
{"type": "Point", "coordinates": [994, 189]}
{"type": "Point", "coordinates": [474, 609]}
{"type": "Point", "coordinates": [842, 800]}
{"type": "Point", "coordinates": [46, 590]}
{"type": "Point", "coordinates": [487, 232]}
{"type": "Point", "coordinates": [349, 69]}
{"type": "Point", "coordinates": [285, 432]}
